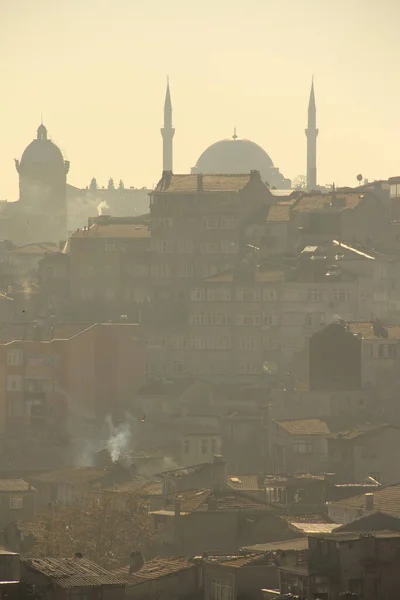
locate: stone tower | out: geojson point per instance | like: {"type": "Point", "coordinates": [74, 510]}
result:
{"type": "Point", "coordinates": [312, 133]}
{"type": "Point", "coordinates": [167, 132]}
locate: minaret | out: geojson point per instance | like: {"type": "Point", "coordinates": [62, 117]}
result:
{"type": "Point", "coordinates": [312, 133]}
{"type": "Point", "coordinates": [167, 132]}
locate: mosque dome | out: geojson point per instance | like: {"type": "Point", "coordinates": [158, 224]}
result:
{"type": "Point", "coordinates": [42, 151]}
{"type": "Point", "coordinates": [234, 155]}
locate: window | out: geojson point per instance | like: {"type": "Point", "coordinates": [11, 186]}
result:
{"type": "Point", "coordinates": [314, 296]}
{"type": "Point", "coordinates": [87, 270]}
{"type": "Point", "coordinates": [248, 320]}
{"type": "Point", "coordinates": [185, 271]}
{"type": "Point", "coordinates": [302, 447]}
{"type": "Point", "coordinates": [186, 446]}
{"type": "Point", "coordinates": [218, 294]}
{"type": "Point", "coordinates": [204, 446]}
{"type": "Point", "coordinates": [179, 342]}
{"type": "Point", "coordinates": [368, 350]}
{"type": "Point", "coordinates": [14, 383]}
{"type": "Point", "coordinates": [229, 222]}
{"type": "Point", "coordinates": [197, 343]}
{"type": "Point", "coordinates": [248, 294]}
{"type": "Point", "coordinates": [14, 358]}
{"type": "Point", "coordinates": [179, 367]}
{"type": "Point", "coordinates": [214, 343]}
{"type": "Point", "coordinates": [164, 246]}
{"type": "Point", "coordinates": [110, 247]}
{"type": "Point", "coordinates": [197, 294]}
{"type": "Point", "coordinates": [270, 320]}
{"type": "Point", "coordinates": [271, 344]}
{"type": "Point", "coordinates": [269, 294]}
{"type": "Point", "coordinates": [16, 502]}
{"type": "Point", "coordinates": [197, 319]}
{"type": "Point", "coordinates": [184, 246]}
{"type": "Point", "coordinates": [15, 407]}
{"type": "Point", "coordinates": [155, 343]}
{"type": "Point", "coordinates": [341, 295]}
{"type": "Point", "coordinates": [250, 368]}
{"type": "Point", "coordinates": [210, 223]}
{"type": "Point", "coordinates": [220, 590]}
{"type": "Point", "coordinates": [392, 351]}
{"type": "Point", "coordinates": [249, 344]}
{"type": "Point", "coordinates": [38, 385]}
{"type": "Point", "coordinates": [218, 319]}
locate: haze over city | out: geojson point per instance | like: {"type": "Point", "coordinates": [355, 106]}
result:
{"type": "Point", "coordinates": [97, 70]}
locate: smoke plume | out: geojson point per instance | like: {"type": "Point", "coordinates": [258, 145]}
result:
{"type": "Point", "coordinates": [119, 441]}
{"type": "Point", "coordinates": [101, 207]}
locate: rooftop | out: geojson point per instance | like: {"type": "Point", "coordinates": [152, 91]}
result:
{"type": "Point", "coordinates": [368, 332]}
{"type": "Point", "coordinates": [73, 572]}
{"type": "Point", "coordinates": [304, 426]}
{"type": "Point", "coordinates": [37, 248]}
{"type": "Point", "coordinates": [352, 536]}
{"type": "Point", "coordinates": [14, 485]}
{"type": "Point", "coordinates": [211, 183]}
{"type": "Point", "coordinates": [13, 331]}
{"type": "Point", "coordinates": [386, 499]}
{"type": "Point", "coordinates": [356, 432]}
{"type": "Point", "coordinates": [155, 569]}
{"type": "Point", "coordinates": [71, 476]}
{"type": "Point", "coordinates": [295, 544]}
{"type": "Point", "coordinates": [325, 202]}
{"type": "Point", "coordinates": [308, 528]}
{"type": "Point", "coordinates": [243, 482]}
{"type": "Point", "coordinates": [113, 231]}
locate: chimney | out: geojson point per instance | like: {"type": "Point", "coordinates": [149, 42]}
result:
{"type": "Point", "coordinates": [254, 175]}
{"type": "Point", "coordinates": [136, 562]}
{"type": "Point", "coordinates": [219, 474]}
{"type": "Point", "coordinates": [369, 502]}
{"type": "Point", "coordinates": [200, 182]}
{"type": "Point", "coordinates": [78, 555]}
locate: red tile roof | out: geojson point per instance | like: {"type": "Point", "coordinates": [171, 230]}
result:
{"type": "Point", "coordinates": [155, 569]}
{"type": "Point", "coordinates": [73, 572]}
{"type": "Point", "coordinates": [325, 202]}
{"type": "Point", "coordinates": [386, 500]}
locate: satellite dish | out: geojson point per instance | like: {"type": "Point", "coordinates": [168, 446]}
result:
{"type": "Point", "coordinates": [359, 177]}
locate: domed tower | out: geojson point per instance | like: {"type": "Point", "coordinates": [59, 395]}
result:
{"type": "Point", "coordinates": [43, 181]}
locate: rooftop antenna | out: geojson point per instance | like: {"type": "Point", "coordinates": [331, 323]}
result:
{"type": "Point", "coordinates": [234, 137]}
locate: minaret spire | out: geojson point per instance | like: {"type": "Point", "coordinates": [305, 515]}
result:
{"type": "Point", "coordinates": [167, 132]}
{"type": "Point", "coordinates": [312, 133]}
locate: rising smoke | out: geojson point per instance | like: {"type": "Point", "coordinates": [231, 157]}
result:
{"type": "Point", "coordinates": [119, 441]}
{"type": "Point", "coordinates": [101, 207]}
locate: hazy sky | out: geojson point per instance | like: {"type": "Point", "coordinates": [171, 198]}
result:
{"type": "Point", "coordinates": [97, 69]}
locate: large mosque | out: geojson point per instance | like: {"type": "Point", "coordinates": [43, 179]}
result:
{"type": "Point", "coordinates": [237, 155]}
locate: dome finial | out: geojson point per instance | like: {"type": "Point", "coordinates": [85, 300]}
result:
{"type": "Point", "coordinates": [42, 132]}
{"type": "Point", "coordinates": [234, 137]}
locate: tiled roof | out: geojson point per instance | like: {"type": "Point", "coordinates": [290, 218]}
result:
{"type": "Point", "coordinates": [114, 231]}
{"type": "Point", "coordinates": [189, 499]}
{"type": "Point", "coordinates": [278, 214]}
{"type": "Point", "coordinates": [295, 544]}
{"type": "Point", "coordinates": [386, 500]}
{"type": "Point", "coordinates": [308, 528]}
{"type": "Point", "coordinates": [140, 486]}
{"type": "Point", "coordinates": [356, 432]}
{"type": "Point", "coordinates": [40, 249]}
{"type": "Point", "coordinates": [237, 561]}
{"type": "Point", "coordinates": [305, 426]}
{"type": "Point", "coordinates": [14, 485]}
{"type": "Point", "coordinates": [73, 572]}
{"type": "Point", "coordinates": [155, 569]}
{"type": "Point", "coordinates": [211, 183]}
{"type": "Point", "coordinates": [324, 202]}
{"type": "Point", "coordinates": [366, 331]}
{"type": "Point", "coordinates": [71, 476]}
{"type": "Point", "coordinates": [243, 482]}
